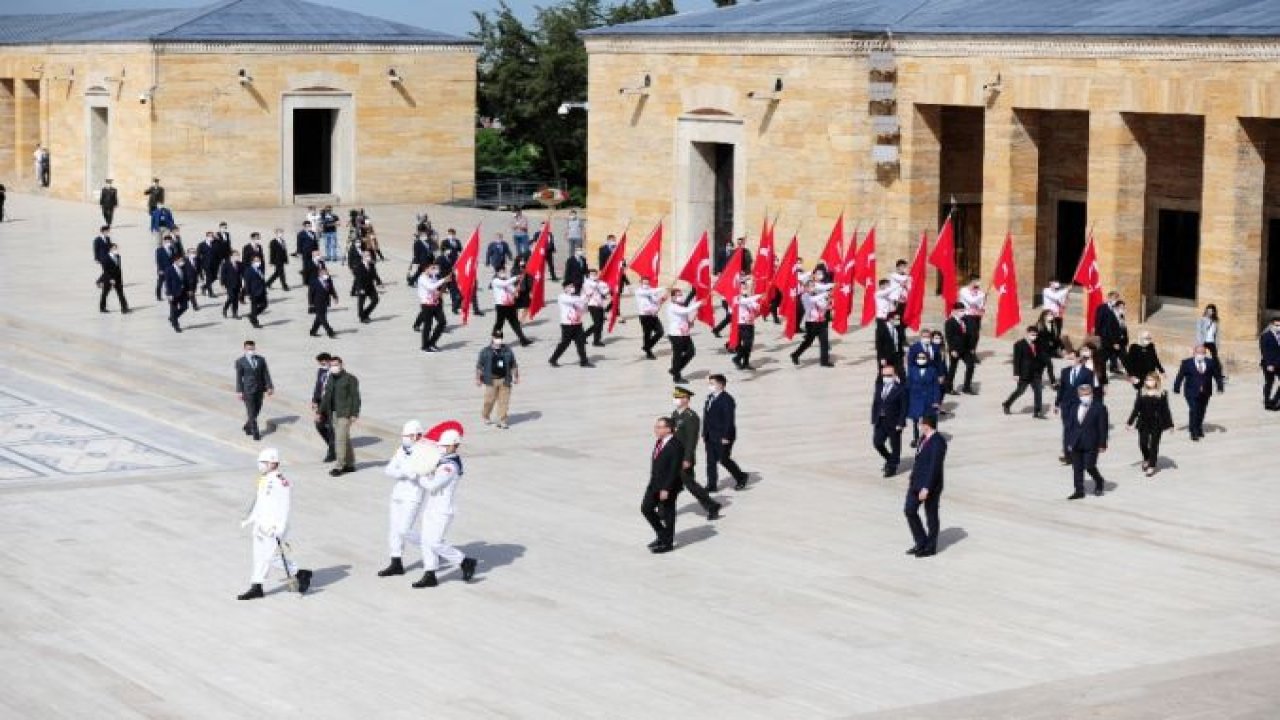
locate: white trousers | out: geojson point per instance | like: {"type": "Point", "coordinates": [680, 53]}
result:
{"type": "Point", "coordinates": [434, 547]}
{"type": "Point", "coordinates": [266, 554]}
{"type": "Point", "coordinates": [403, 515]}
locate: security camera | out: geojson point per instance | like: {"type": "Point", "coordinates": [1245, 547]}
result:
{"type": "Point", "coordinates": [563, 109]}
{"type": "Point", "coordinates": [144, 98]}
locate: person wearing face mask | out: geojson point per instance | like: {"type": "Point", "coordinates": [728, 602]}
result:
{"type": "Point", "coordinates": [1028, 369]}
{"type": "Point", "coordinates": [747, 311]}
{"type": "Point", "coordinates": [341, 403]}
{"type": "Point", "coordinates": [899, 286]}
{"type": "Point", "coordinates": [719, 432]}
{"type": "Point", "coordinates": [924, 393]}
{"type": "Point", "coordinates": [1092, 357]}
{"type": "Point", "coordinates": [255, 290]}
{"type": "Point", "coordinates": [441, 483]}
{"type": "Point", "coordinates": [321, 419]}
{"type": "Point", "coordinates": [1075, 374]}
{"type": "Point", "coordinates": [270, 520]}
{"type": "Point", "coordinates": [1151, 417]}
{"type": "Point", "coordinates": [496, 372]}
{"type": "Point", "coordinates": [504, 304]}
{"type": "Point", "coordinates": [306, 245]}
{"type": "Point", "coordinates": [431, 318]}
{"type": "Point", "coordinates": [112, 279]}
{"type": "Point", "coordinates": [1049, 345]}
{"type": "Point", "coordinates": [575, 268]}
{"type": "Point", "coordinates": [572, 306]}
{"type": "Point", "coordinates": [960, 350]}
{"type": "Point", "coordinates": [975, 306]}
{"type": "Point", "coordinates": [924, 346]}
{"type": "Point", "coordinates": [816, 302]}
{"type": "Point", "coordinates": [191, 279]}
{"type": "Point", "coordinates": [925, 489]}
{"type": "Point", "coordinates": [406, 494]}
{"type": "Point", "coordinates": [231, 276]}
{"type": "Point", "coordinates": [164, 259]}
{"type": "Point", "coordinates": [1085, 437]}
{"type": "Point", "coordinates": [1269, 349]}
{"type": "Point", "coordinates": [575, 230]}
{"type": "Point", "coordinates": [648, 301]}
{"type": "Point", "coordinates": [1054, 300]}
{"type": "Point", "coordinates": [322, 296]}
{"type": "Point", "coordinates": [1107, 325]}
{"type": "Point", "coordinates": [423, 256]}
{"type": "Point", "coordinates": [364, 285]}
{"type": "Point", "coordinates": [688, 428]}
{"type": "Point", "coordinates": [597, 295]}
{"type": "Point", "coordinates": [100, 244]}
{"type": "Point", "coordinates": [680, 317]}
{"type": "Point", "coordinates": [888, 418]}
{"type": "Point", "coordinates": [278, 257]}
{"type": "Point", "coordinates": [1198, 374]}
{"type": "Point", "coordinates": [942, 365]}
{"type": "Point", "coordinates": [175, 291]}
{"type": "Point", "coordinates": [1142, 360]}
{"type": "Point", "coordinates": [206, 269]}
{"type": "Point", "coordinates": [891, 342]}
{"type": "Point", "coordinates": [252, 249]}
{"type": "Point", "coordinates": [497, 253]}
{"type": "Point", "coordinates": [253, 380]}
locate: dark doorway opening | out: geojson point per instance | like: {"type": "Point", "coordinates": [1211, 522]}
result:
{"type": "Point", "coordinates": [967, 223]}
{"type": "Point", "coordinates": [722, 163]}
{"type": "Point", "coordinates": [313, 151]}
{"type": "Point", "coordinates": [1272, 279]}
{"type": "Point", "coordinates": [1073, 217]}
{"type": "Point", "coordinates": [1178, 254]}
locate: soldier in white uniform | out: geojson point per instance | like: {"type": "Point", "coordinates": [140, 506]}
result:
{"type": "Point", "coordinates": [406, 494]}
{"type": "Point", "coordinates": [440, 484]}
{"type": "Point", "coordinates": [648, 300]}
{"type": "Point", "coordinates": [270, 520]}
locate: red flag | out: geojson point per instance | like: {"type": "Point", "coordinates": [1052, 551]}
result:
{"type": "Point", "coordinates": [647, 262]}
{"type": "Point", "coordinates": [1088, 276]}
{"type": "Point", "coordinates": [611, 275]}
{"type": "Point", "coordinates": [943, 257]}
{"type": "Point", "coordinates": [831, 253]}
{"type": "Point", "coordinates": [465, 271]}
{"type": "Point", "coordinates": [728, 285]}
{"type": "Point", "coordinates": [697, 272]}
{"type": "Point", "coordinates": [846, 278]}
{"type": "Point", "coordinates": [536, 268]}
{"type": "Point", "coordinates": [1005, 282]}
{"type": "Point", "coordinates": [762, 270]}
{"type": "Point", "coordinates": [914, 312]}
{"type": "Point", "coordinates": [864, 266]}
{"type": "Point", "coordinates": [785, 282]}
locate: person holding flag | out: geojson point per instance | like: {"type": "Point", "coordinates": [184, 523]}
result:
{"type": "Point", "coordinates": [432, 317]}
{"type": "Point", "coordinates": [748, 309]}
{"type": "Point", "coordinates": [680, 316]}
{"type": "Point", "coordinates": [648, 301]}
{"type": "Point", "coordinates": [597, 295]}
{"type": "Point", "coordinates": [1054, 300]}
{"type": "Point", "coordinates": [572, 306]}
{"type": "Point", "coordinates": [975, 306]}
{"type": "Point", "coordinates": [504, 287]}
{"type": "Point", "coordinates": [817, 301]}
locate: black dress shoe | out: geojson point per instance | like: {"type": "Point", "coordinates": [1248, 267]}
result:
{"type": "Point", "coordinates": [795, 359]}
{"type": "Point", "coordinates": [396, 567]}
{"type": "Point", "coordinates": [714, 512]}
{"type": "Point", "coordinates": [1075, 495]}
{"type": "Point", "coordinates": [740, 485]}
{"type": "Point", "coordinates": [586, 364]}
{"type": "Point", "coordinates": [926, 552]}
{"type": "Point", "coordinates": [304, 581]}
{"type": "Point", "coordinates": [1006, 409]}
{"type": "Point", "coordinates": [553, 363]}
{"type": "Point", "coordinates": [428, 580]}
{"type": "Point", "coordinates": [890, 471]}
{"type": "Point", "coordinates": [315, 334]}
{"type": "Point", "coordinates": [597, 344]}
{"type": "Point", "coordinates": [333, 335]}
{"type": "Point", "coordinates": [827, 364]}
{"type": "Point", "coordinates": [468, 569]}
{"type": "Point", "coordinates": [663, 548]}
{"type": "Point", "coordinates": [257, 435]}
{"type": "Point", "coordinates": [679, 380]}
{"type": "Point", "coordinates": [253, 593]}
{"type": "Point", "coordinates": [654, 544]}
{"type": "Point", "coordinates": [330, 458]}
{"type": "Point", "coordinates": [913, 550]}
{"type": "Point", "coordinates": [103, 310]}
{"type": "Point", "coordinates": [1099, 492]}
{"type": "Point", "coordinates": [969, 391]}
{"type": "Point", "coordinates": [526, 343]}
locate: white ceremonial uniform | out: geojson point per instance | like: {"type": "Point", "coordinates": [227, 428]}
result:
{"type": "Point", "coordinates": [270, 520]}
{"type": "Point", "coordinates": [406, 498]}
{"type": "Point", "coordinates": [571, 308]}
{"type": "Point", "coordinates": [899, 284]}
{"type": "Point", "coordinates": [437, 513]}
{"type": "Point", "coordinates": [648, 300]}
{"type": "Point", "coordinates": [679, 318]}
{"type": "Point", "coordinates": [1055, 301]}
{"type": "Point", "coordinates": [504, 291]}
{"type": "Point", "coordinates": [429, 289]}
{"type": "Point", "coordinates": [975, 301]}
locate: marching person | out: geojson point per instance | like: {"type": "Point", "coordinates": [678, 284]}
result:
{"type": "Point", "coordinates": [816, 302]}
{"type": "Point", "coordinates": [1151, 416]}
{"type": "Point", "coordinates": [440, 484]}
{"type": "Point", "coordinates": [164, 255]}
{"type": "Point", "coordinates": [191, 278]}
{"type": "Point", "coordinates": [687, 430]}
{"type": "Point", "coordinates": [659, 503]}
{"type": "Point", "coordinates": [1199, 373]}
{"type": "Point", "coordinates": [255, 289]}
{"type": "Point", "coordinates": [1048, 345]}
{"type": "Point", "coordinates": [648, 301]}
{"type": "Point", "coordinates": [888, 419]}
{"type": "Point", "coordinates": [206, 263]}
{"type": "Point", "coordinates": [1076, 373]}
{"type": "Point", "coordinates": [270, 520]}
{"type": "Point", "coordinates": [890, 342]}
{"type": "Point", "coordinates": [1028, 370]}
{"type": "Point", "coordinates": [925, 489]}
{"type": "Point", "coordinates": [571, 307]}
{"type": "Point", "coordinates": [975, 306]}
{"type": "Point", "coordinates": [365, 282]}
{"type": "Point", "coordinates": [960, 348]}
{"type": "Point", "coordinates": [175, 290]}
{"type": "Point", "coordinates": [406, 494]}
{"type": "Point", "coordinates": [431, 318]}
{"type": "Point", "coordinates": [323, 422]}
{"type": "Point", "coordinates": [1108, 327]}
{"type": "Point", "coordinates": [252, 249]}
{"type": "Point", "coordinates": [680, 316]}
{"type": "Point", "coordinates": [253, 379]}
{"type": "Point", "coordinates": [748, 310]}
{"type": "Point", "coordinates": [231, 276]}
{"type": "Point", "coordinates": [278, 257]}
{"type": "Point", "coordinates": [423, 256]}
{"type": "Point", "coordinates": [1085, 436]}
{"type": "Point", "coordinates": [1269, 349]}
{"type": "Point", "coordinates": [496, 372]}
{"type": "Point", "coordinates": [112, 279]}
{"type": "Point", "coordinates": [1142, 360]}
{"type": "Point", "coordinates": [108, 200]}
{"type": "Point", "coordinates": [597, 295]}
{"type": "Point", "coordinates": [322, 295]}
{"type": "Point", "coordinates": [504, 286]}
{"type": "Point", "coordinates": [924, 393]}
{"type": "Point", "coordinates": [341, 404]}
{"type": "Point", "coordinates": [719, 432]}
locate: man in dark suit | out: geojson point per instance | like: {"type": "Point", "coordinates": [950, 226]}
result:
{"type": "Point", "coordinates": [191, 278]}
{"type": "Point", "coordinates": [255, 289]}
{"type": "Point", "coordinates": [206, 264]}
{"type": "Point", "coordinates": [960, 344]}
{"type": "Point", "coordinates": [321, 295]}
{"type": "Point", "coordinates": [253, 379]}
{"type": "Point", "coordinates": [323, 423]}
{"type": "Point", "coordinates": [112, 279]}
{"type": "Point", "coordinates": [232, 278]}
{"type": "Point", "coordinates": [1269, 347]}
{"type": "Point", "coordinates": [155, 195]}
{"type": "Point", "coordinates": [1028, 370]}
{"type": "Point", "coordinates": [164, 260]}
{"type": "Point", "coordinates": [222, 247]}
{"type": "Point", "coordinates": [891, 343]}
{"type": "Point", "coordinates": [1085, 436]}
{"type": "Point", "coordinates": [175, 290]}
{"type": "Point", "coordinates": [365, 286]}
{"type": "Point", "coordinates": [888, 418]}
{"type": "Point", "coordinates": [659, 503]}
{"type": "Point", "coordinates": [719, 432]}
{"type": "Point", "coordinates": [278, 257]}
{"type": "Point", "coordinates": [926, 488]}
{"type": "Point", "coordinates": [305, 245]}
{"type": "Point", "coordinates": [108, 200]}
{"type": "Point", "coordinates": [252, 249]}
{"type": "Point", "coordinates": [1075, 374]}
{"type": "Point", "coordinates": [422, 257]}
{"type": "Point", "coordinates": [687, 430]}
{"type": "Point", "coordinates": [575, 268]}
{"type": "Point", "coordinates": [1199, 373]}
{"type": "Point", "coordinates": [101, 243]}
{"type": "Point", "coordinates": [1106, 324]}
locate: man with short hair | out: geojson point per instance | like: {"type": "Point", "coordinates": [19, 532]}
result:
{"type": "Point", "coordinates": [305, 246]}
{"type": "Point", "coordinates": [497, 253]}
{"type": "Point", "coordinates": [1028, 370]}
{"type": "Point", "coordinates": [496, 372]}
{"type": "Point", "coordinates": [1269, 347]}
{"type": "Point", "coordinates": [255, 289]}
{"type": "Point", "coordinates": [322, 295]}
{"type": "Point", "coordinates": [571, 307]}
{"type": "Point", "coordinates": [278, 257]}
{"type": "Point", "coordinates": [341, 402]}
{"type": "Point", "coordinates": [680, 317]}
{"type": "Point", "coordinates": [108, 200]}
{"type": "Point", "coordinates": [888, 418]}
{"type": "Point", "coordinates": [329, 228]}
{"type": "Point", "coordinates": [925, 489]}
{"type": "Point", "coordinates": [155, 196]}
{"type": "Point", "coordinates": [960, 345]}
{"type": "Point", "coordinates": [431, 321]}
{"type": "Point", "coordinates": [687, 430]}
{"type": "Point", "coordinates": [232, 278]}
{"type": "Point", "coordinates": [112, 279]}
{"type": "Point", "coordinates": [504, 286]}
{"type": "Point", "coordinates": [175, 291]}
{"type": "Point", "coordinates": [253, 379]}
{"type": "Point", "coordinates": [648, 301]}
{"type": "Point", "coordinates": [322, 421]}
{"type": "Point", "coordinates": [575, 229]}
{"type": "Point", "coordinates": [1198, 373]}
{"type": "Point", "coordinates": [658, 505]}
{"type": "Point", "coordinates": [720, 432]}
{"type": "Point", "coordinates": [1084, 437]}
{"type": "Point", "coordinates": [164, 255]}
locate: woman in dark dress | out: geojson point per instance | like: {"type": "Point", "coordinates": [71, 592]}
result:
{"type": "Point", "coordinates": [1151, 417]}
{"type": "Point", "coordinates": [1048, 344]}
{"type": "Point", "coordinates": [1142, 360]}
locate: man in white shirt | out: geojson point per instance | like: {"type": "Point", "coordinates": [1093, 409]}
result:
{"type": "Point", "coordinates": [975, 306]}
{"type": "Point", "coordinates": [816, 302]}
{"type": "Point", "coordinates": [270, 520]}
{"type": "Point", "coordinates": [1054, 299]}
{"type": "Point", "coordinates": [885, 302]}
{"type": "Point", "coordinates": [440, 484]}
{"type": "Point", "coordinates": [648, 300]}
{"type": "Point", "coordinates": [748, 309]}
{"type": "Point", "coordinates": [431, 316]}
{"type": "Point", "coordinates": [680, 318]}
{"type": "Point", "coordinates": [899, 285]}
{"type": "Point", "coordinates": [504, 303]}
{"type": "Point", "coordinates": [572, 306]}
{"type": "Point", "coordinates": [596, 293]}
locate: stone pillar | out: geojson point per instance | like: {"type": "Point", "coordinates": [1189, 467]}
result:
{"type": "Point", "coordinates": [1231, 224]}
{"type": "Point", "coordinates": [918, 188]}
{"type": "Point", "coordinates": [1010, 191]}
{"type": "Point", "coordinates": [8, 129]}
{"type": "Point", "coordinates": [26, 128]}
{"type": "Point", "coordinates": [1117, 204]}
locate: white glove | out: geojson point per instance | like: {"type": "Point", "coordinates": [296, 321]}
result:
{"type": "Point", "coordinates": [246, 522]}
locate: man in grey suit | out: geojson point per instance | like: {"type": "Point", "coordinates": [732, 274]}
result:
{"type": "Point", "coordinates": [253, 379]}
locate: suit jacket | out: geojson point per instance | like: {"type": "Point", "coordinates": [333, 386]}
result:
{"type": "Point", "coordinates": [720, 418]}
{"type": "Point", "coordinates": [575, 270]}
{"type": "Point", "coordinates": [164, 259]}
{"type": "Point", "coordinates": [1269, 346]}
{"type": "Point", "coordinates": [1067, 390]}
{"type": "Point", "coordinates": [886, 347]}
{"type": "Point", "coordinates": [939, 363]}
{"type": "Point", "coordinates": [1089, 435]}
{"type": "Point", "coordinates": [111, 269]}
{"type": "Point", "coordinates": [278, 252]}
{"type": "Point", "coordinates": [1106, 324]}
{"type": "Point", "coordinates": [604, 253]}
{"type": "Point", "coordinates": [364, 278]}
{"type": "Point", "coordinates": [189, 278]}
{"type": "Point", "coordinates": [100, 248]}
{"type": "Point", "coordinates": [204, 255]}
{"type": "Point", "coordinates": [220, 246]}
{"type": "Point", "coordinates": [250, 251]}
{"type": "Point", "coordinates": [927, 470]}
{"type": "Point", "coordinates": [255, 285]}
{"type": "Point", "coordinates": [1198, 384]}
{"type": "Point", "coordinates": [304, 244]}
{"type": "Point", "coordinates": [317, 391]}
{"type": "Point", "coordinates": [1027, 362]}
{"type": "Point", "coordinates": [108, 197]}
{"type": "Point", "coordinates": [664, 470]}
{"type": "Point", "coordinates": [232, 276]}
{"type": "Point", "coordinates": [891, 408]}
{"type": "Point", "coordinates": [320, 294]}
{"type": "Point", "coordinates": [252, 377]}
{"type": "Point", "coordinates": [422, 254]}
{"type": "Point", "coordinates": [342, 396]}
{"type": "Point", "coordinates": [155, 196]}
{"type": "Point", "coordinates": [175, 285]}
{"type": "Point", "coordinates": [958, 340]}
{"type": "Point", "coordinates": [688, 428]}
{"type": "Point", "coordinates": [497, 254]}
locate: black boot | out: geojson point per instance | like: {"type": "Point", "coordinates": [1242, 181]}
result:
{"type": "Point", "coordinates": [468, 568]}
{"type": "Point", "coordinates": [255, 592]}
{"type": "Point", "coordinates": [304, 581]}
{"type": "Point", "coordinates": [395, 568]}
{"type": "Point", "coordinates": [428, 580]}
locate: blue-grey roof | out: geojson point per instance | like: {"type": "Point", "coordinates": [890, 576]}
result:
{"type": "Point", "coordinates": [1189, 18]}
{"type": "Point", "coordinates": [229, 21]}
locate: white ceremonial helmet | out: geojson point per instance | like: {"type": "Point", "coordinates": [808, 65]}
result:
{"type": "Point", "coordinates": [449, 437]}
{"type": "Point", "coordinates": [413, 427]}
{"type": "Point", "coordinates": [269, 455]}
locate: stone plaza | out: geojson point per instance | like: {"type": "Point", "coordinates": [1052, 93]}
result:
{"type": "Point", "coordinates": [123, 475]}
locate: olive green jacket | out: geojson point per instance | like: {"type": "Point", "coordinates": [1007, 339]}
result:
{"type": "Point", "coordinates": [688, 430]}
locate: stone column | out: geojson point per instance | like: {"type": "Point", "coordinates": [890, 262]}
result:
{"type": "Point", "coordinates": [1010, 189]}
{"type": "Point", "coordinates": [918, 188]}
{"type": "Point", "coordinates": [8, 129]}
{"type": "Point", "coordinates": [1231, 223]}
{"type": "Point", "coordinates": [1117, 204]}
{"type": "Point", "coordinates": [26, 127]}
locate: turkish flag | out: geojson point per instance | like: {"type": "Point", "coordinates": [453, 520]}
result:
{"type": "Point", "coordinates": [465, 271]}
{"type": "Point", "coordinates": [864, 266]}
{"type": "Point", "coordinates": [1005, 282]}
{"type": "Point", "coordinates": [846, 278]}
{"type": "Point", "coordinates": [766, 263]}
{"type": "Point", "coordinates": [647, 262]}
{"type": "Point", "coordinates": [728, 285]}
{"type": "Point", "coordinates": [697, 272]}
{"type": "Point", "coordinates": [943, 257]}
{"type": "Point", "coordinates": [536, 268]}
{"type": "Point", "coordinates": [611, 275]}
{"type": "Point", "coordinates": [914, 312]}
{"type": "Point", "coordinates": [1088, 276]}
{"type": "Point", "coordinates": [784, 280]}
{"type": "Point", "coordinates": [831, 252]}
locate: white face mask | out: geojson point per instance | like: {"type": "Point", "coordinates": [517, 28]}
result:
{"type": "Point", "coordinates": [248, 353]}
{"type": "Point", "coordinates": [676, 402]}
{"type": "Point", "coordinates": [1199, 357]}
{"type": "Point", "coordinates": [257, 264]}
{"type": "Point", "coordinates": [335, 369]}
{"type": "Point", "coordinates": [406, 443]}
{"type": "Point", "coordinates": [922, 361]}
{"type": "Point", "coordinates": [497, 344]}
{"type": "Point", "coordinates": [262, 466]}
{"type": "Point", "coordinates": [1086, 401]}
{"type": "Point", "coordinates": [1151, 383]}
{"type": "Point", "coordinates": [887, 379]}
{"type": "Point", "coordinates": [712, 389]}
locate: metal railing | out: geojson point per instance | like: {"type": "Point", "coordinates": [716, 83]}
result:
{"type": "Point", "coordinates": [499, 194]}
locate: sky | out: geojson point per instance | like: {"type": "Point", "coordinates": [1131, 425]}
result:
{"type": "Point", "coordinates": [450, 16]}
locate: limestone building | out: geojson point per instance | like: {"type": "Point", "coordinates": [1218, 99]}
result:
{"type": "Point", "coordinates": [1155, 126]}
{"type": "Point", "coordinates": [244, 103]}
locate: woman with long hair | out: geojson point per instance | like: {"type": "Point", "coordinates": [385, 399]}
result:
{"type": "Point", "coordinates": [1049, 344]}
{"type": "Point", "coordinates": [1207, 330]}
{"type": "Point", "coordinates": [1151, 417]}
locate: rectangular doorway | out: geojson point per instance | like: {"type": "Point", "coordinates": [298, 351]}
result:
{"type": "Point", "coordinates": [1271, 280]}
{"type": "Point", "coordinates": [1073, 217]}
{"type": "Point", "coordinates": [967, 224]}
{"type": "Point", "coordinates": [313, 150]}
{"type": "Point", "coordinates": [99, 153]}
{"type": "Point", "coordinates": [717, 171]}
{"type": "Point", "coordinates": [1177, 254]}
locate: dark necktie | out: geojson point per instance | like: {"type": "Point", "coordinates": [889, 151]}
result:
{"type": "Point", "coordinates": [657, 448]}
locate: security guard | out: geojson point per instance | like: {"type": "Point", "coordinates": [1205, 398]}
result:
{"type": "Point", "coordinates": [688, 429]}
{"type": "Point", "coordinates": [406, 494]}
{"type": "Point", "coordinates": [270, 520]}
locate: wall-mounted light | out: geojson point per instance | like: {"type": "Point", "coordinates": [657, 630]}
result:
{"type": "Point", "coordinates": [394, 77]}
{"type": "Point", "coordinates": [147, 95]}
{"type": "Point", "coordinates": [244, 77]}
{"type": "Point", "coordinates": [772, 95]}
{"type": "Point", "coordinates": [991, 90]}
{"type": "Point", "coordinates": [641, 89]}
{"type": "Point", "coordinates": [565, 107]}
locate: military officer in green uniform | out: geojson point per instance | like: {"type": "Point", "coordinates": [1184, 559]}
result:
{"type": "Point", "coordinates": [688, 429]}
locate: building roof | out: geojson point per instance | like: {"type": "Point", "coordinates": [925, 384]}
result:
{"type": "Point", "coordinates": [1173, 18]}
{"type": "Point", "coordinates": [228, 21]}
